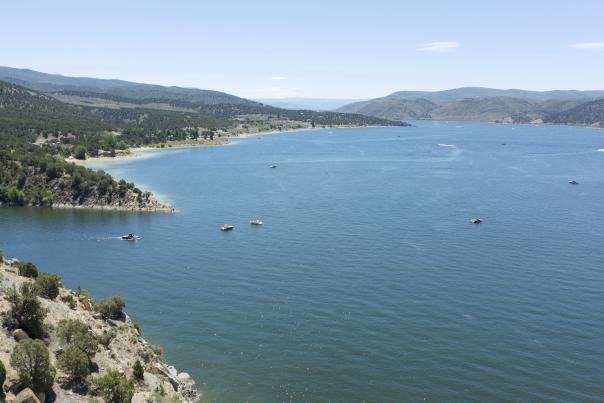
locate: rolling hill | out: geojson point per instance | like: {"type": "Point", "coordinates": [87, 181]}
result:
{"type": "Point", "coordinates": [589, 113]}
{"type": "Point", "coordinates": [474, 104]}
{"type": "Point", "coordinates": [123, 95]}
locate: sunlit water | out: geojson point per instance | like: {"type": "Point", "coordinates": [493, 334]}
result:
{"type": "Point", "coordinates": [366, 283]}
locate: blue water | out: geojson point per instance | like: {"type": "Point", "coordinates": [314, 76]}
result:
{"type": "Point", "coordinates": [366, 283]}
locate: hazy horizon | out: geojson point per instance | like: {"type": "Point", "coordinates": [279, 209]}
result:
{"type": "Point", "coordinates": [322, 50]}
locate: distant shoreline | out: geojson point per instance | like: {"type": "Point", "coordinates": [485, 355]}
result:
{"type": "Point", "coordinates": [139, 152]}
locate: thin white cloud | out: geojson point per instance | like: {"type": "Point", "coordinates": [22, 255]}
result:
{"type": "Point", "coordinates": [278, 78]}
{"type": "Point", "coordinates": [588, 45]}
{"type": "Point", "coordinates": [446, 46]}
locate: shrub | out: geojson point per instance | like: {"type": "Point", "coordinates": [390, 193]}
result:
{"type": "Point", "coordinates": [31, 361]}
{"type": "Point", "coordinates": [80, 152]}
{"type": "Point", "coordinates": [75, 362]}
{"type": "Point", "coordinates": [27, 310]}
{"type": "Point", "coordinates": [111, 307]}
{"type": "Point", "coordinates": [2, 376]}
{"type": "Point", "coordinates": [113, 387]}
{"type": "Point", "coordinates": [47, 198]}
{"type": "Point", "coordinates": [138, 373]}
{"type": "Point", "coordinates": [28, 269]}
{"type": "Point", "coordinates": [82, 292]}
{"type": "Point", "coordinates": [105, 338]}
{"type": "Point", "coordinates": [47, 285]}
{"type": "Point", "coordinates": [15, 196]}
{"type": "Point", "coordinates": [69, 300]}
{"type": "Point", "coordinates": [74, 333]}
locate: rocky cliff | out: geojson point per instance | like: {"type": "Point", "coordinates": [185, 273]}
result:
{"type": "Point", "coordinates": [120, 345]}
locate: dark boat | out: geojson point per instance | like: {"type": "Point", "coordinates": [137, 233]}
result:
{"type": "Point", "coordinates": [573, 182]}
{"type": "Point", "coordinates": [273, 166]}
{"type": "Point", "coordinates": [130, 237]}
{"type": "Point", "coordinates": [475, 221]}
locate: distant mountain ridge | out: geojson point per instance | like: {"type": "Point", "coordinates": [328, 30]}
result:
{"type": "Point", "coordinates": [481, 104]}
{"type": "Point", "coordinates": [115, 94]}
{"type": "Point", "coordinates": [315, 104]}
{"type": "Point", "coordinates": [56, 83]}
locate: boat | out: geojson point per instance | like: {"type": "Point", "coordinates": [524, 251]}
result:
{"type": "Point", "coordinates": [130, 237]}
{"type": "Point", "coordinates": [256, 222]}
{"type": "Point", "coordinates": [227, 227]}
{"type": "Point", "coordinates": [573, 182]}
{"type": "Point", "coordinates": [475, 220]}
{"type": "Point", "coordinates": [273, 166]}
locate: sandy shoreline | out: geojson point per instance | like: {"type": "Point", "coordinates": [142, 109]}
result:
{"type": "Point", "coordinates": [141, 152]}
{"type": "Point", "coordinates": [166, 208]}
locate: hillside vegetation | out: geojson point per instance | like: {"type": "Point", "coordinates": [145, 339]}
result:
{"type": "Point", "coordinates": [589, 113]}
{"type": "Point", "coordinates": [482, 104]}
{"type": "Point", "coordinates": [61, 345]}
{"type": "Point", "coordinates": [49, 119]}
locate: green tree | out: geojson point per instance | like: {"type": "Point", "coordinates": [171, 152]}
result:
{"type": "Point", "coordinates": [80, 152]}
{"type": "Point", "coordinates": [114, 387]}
{"type": "Point", "coordinates": [15, 196]}
{"type": "Point", "coordinates": [72, 332]}
{"type": "Point", "coordinates": [75, 362]}
{"type": "Point", "coordinates": [28, 269]}
{"type": "Point", "coordinates": [48, 197]}
{"type": "Point", "coordinates": [26, 308]}
{"type": "Point", "coordinates": [31, 361]}
{"type": "Point", "coordinates": [111, 307]}
{"type": "Point", "coordinates": [138, 373]}
{"type": "Point", "coordinates": [47, 285]}
{"type": "Point", "coordinates": [2, 376]}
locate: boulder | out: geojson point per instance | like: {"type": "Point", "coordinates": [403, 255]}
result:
{"type": "Point", "coordinates": [26, 396]}
{"type": "Point", "coordinates": [184, 377]}
{"type": "Point", "coordinates": [20, 334]}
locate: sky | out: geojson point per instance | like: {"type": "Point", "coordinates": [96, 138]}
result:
{"type": "Point", "coordinates": [310, 48]}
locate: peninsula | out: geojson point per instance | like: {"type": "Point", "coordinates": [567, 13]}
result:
{"type": "Point", "coordinates": [48, 121]}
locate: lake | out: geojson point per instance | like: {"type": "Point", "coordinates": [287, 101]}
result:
{"type": "Point", "coordinates": [366, 282]}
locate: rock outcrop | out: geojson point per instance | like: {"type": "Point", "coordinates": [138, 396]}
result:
{"type": "Point", "coordinates": [120, 345]}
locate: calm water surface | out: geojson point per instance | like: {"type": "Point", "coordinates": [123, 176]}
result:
{"type": "Point", "coordinates": [366, 283]}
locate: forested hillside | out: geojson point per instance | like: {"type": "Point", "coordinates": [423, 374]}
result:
{"type": "Point", "coordinates": [589, 113]}
{"type": "Point", "coordinates": [88, 117]}
{"type": "Point", "coordinates": [479, 104]}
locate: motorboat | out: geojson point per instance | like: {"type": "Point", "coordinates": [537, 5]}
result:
{"type": "Point", "coordinates": [475, 221]}
{"type": "Point", "coordinates": [227, 227]}
{"type": "Point", "coordinates": [273, 166]}
{"type": "Point", "coordinates": [130, 237]}
{"type": "Point", "coordinates": [573, 182]}
{"type": "Point", "coordinates": [256, 222]}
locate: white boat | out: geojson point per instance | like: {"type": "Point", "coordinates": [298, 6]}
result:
{"type": "Point", "coordinates": [227, 227]}
{"type": "Point", "coordinates": [256, 222]}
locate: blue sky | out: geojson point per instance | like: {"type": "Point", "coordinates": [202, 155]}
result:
{"type": "Point", "coordinates": [330, 49]}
